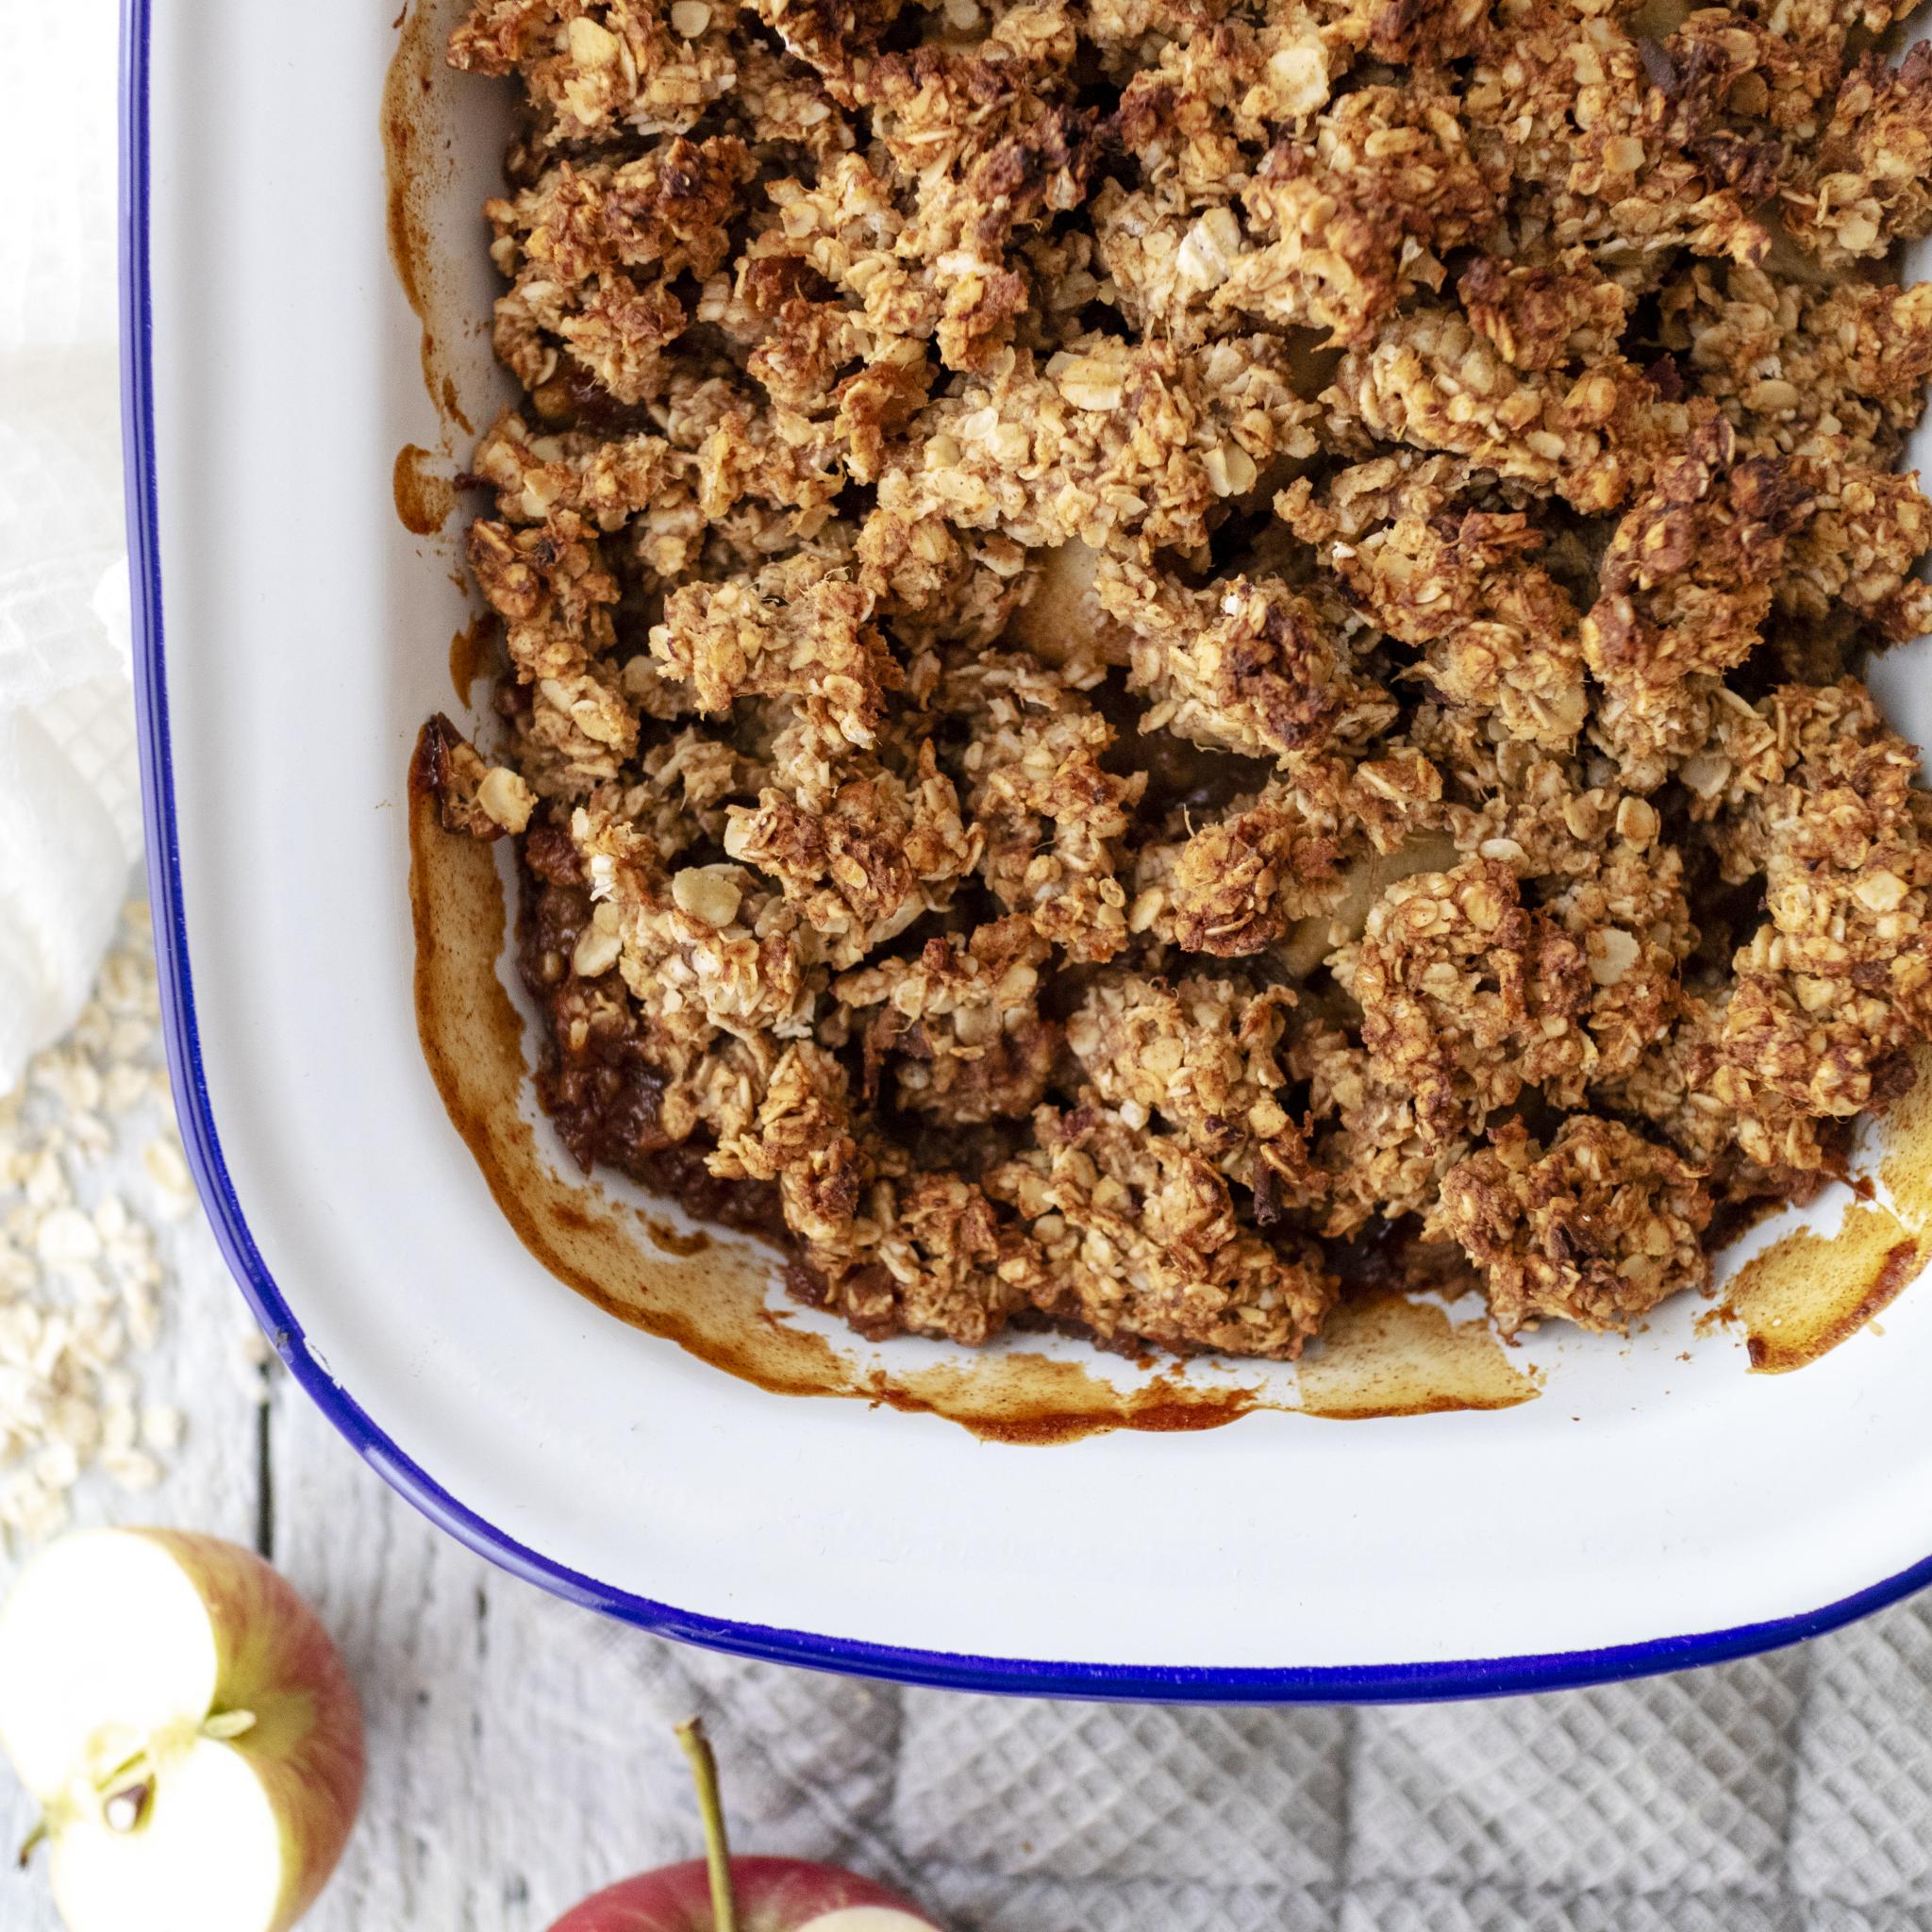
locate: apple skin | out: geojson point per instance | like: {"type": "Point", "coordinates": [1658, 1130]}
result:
{"type": "Point", "coordinates": [306, 1745]}
{"type": "Point", "coordinates": [773, 1895]}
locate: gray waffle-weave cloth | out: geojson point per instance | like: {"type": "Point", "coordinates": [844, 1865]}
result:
{"type": "Point", "coordinates": [1791, 1793]}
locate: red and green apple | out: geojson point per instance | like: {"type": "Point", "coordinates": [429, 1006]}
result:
{"type": "Point", "coordinates": [719, 1893]}
{"type": "Point", "coordinates": [187, 1728]}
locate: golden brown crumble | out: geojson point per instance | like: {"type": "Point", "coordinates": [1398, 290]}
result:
{"type": "Point", "coordinates": [1165, 655]}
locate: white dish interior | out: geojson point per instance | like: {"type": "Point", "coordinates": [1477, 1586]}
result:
{"type": "Point", "coordinates": [1654, 1489]}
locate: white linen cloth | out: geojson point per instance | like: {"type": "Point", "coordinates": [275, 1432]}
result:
{"type": "Point", "coordinates": [70, 807]}
{"type": "Point", "coordinates": [1789, 1793]}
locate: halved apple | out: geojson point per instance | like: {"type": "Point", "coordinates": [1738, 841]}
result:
{"type": "Point", "coordinates": [186, 1727]}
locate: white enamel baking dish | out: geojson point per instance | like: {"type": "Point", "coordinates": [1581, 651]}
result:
{"type": "Point", "coordinates": [1655, 1506]}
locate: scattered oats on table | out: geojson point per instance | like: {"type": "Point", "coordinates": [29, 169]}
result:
{"type": "Point", "coordinates": [81, 1281]}
{"type": "Point", "coordinates": [1162, 653]}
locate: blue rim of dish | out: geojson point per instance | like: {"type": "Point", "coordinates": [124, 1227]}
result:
{"type": "Point", "coordinates": [1189, 1683]}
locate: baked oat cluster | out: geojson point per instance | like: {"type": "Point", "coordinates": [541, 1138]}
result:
{"type": "Point", "coordinates": [1167, 654]}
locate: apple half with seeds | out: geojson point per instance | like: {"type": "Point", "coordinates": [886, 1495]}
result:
{"type": "Point", "coordinates": [188, 1728]}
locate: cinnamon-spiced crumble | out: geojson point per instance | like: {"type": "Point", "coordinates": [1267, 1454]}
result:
{"type": "Point", "coordinates": [1151, 641]}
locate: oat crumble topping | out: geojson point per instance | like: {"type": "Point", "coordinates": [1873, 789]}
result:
{"type": "Point", "coordinates": [1165, 653]}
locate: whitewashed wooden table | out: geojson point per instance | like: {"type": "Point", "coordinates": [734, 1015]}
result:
{"type": "Point", "coordinates": [504, 1766]}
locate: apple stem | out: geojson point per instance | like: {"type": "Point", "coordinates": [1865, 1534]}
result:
{"type": "Point", "coordinates": [33, 1842]}
{"type": "Point", "coordinates": [704, 1771]}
